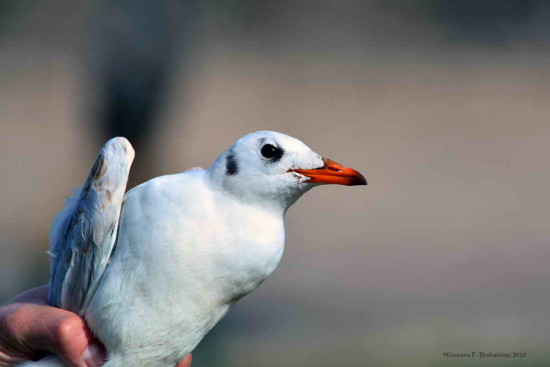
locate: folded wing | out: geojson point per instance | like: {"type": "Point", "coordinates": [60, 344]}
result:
{"type": "Point", "coordinates": [83, 235]}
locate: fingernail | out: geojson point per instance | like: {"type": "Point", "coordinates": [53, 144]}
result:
{"type": "Point", "coordinates": [93, 356]}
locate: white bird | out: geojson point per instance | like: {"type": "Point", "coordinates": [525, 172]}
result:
{"type": "Point", "coordinates": [154, 270]}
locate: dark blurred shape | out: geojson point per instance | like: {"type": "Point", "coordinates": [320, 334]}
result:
{"type": "Point", "coordinates": [139, 42]}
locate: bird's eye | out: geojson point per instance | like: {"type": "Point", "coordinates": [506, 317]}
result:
{"type": "Point", "coordinates": [271, 152]}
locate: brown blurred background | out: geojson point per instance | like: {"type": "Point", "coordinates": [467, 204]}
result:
{"type": "Point", "coordinates": [444, 105]}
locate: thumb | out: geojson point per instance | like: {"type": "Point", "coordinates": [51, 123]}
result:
{"type": "Point", "coordinates": [45, 328]}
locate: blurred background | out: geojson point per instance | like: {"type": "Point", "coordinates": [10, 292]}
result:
{"type": "Point", "coordinates": [443, 105]}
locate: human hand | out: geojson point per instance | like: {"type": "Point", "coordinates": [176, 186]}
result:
{"type": "Point", "coordinates": [30, 328]}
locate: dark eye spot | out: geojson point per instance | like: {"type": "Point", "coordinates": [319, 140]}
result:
{"type": "Point", "coordinates": [272, 152]}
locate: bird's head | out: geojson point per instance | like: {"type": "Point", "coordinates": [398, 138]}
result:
{"type": "Point", "coordinates": [270, 167]}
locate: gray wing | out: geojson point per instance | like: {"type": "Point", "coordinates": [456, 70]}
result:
{"type": "Point", "coordinates": [83, 234]}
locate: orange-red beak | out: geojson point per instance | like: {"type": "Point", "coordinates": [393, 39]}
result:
{"type": "Point", "coordinates": [333, 173]}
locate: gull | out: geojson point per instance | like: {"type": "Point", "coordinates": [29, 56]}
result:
{"type": "Point", "coordinates": [153, 270]}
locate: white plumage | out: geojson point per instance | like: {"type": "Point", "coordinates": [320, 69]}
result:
{"type": "Point", "coordinates": [188, 245]}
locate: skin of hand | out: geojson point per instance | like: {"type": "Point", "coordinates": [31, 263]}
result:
{"type": "Point", "coordinates": [29, 329]}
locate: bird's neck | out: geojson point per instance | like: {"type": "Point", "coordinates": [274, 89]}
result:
{"type": "Point", "coordinates": [271, 196]}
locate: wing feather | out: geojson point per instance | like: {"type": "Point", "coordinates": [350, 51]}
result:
{"type": "Point", "coordinates": [83, 235]}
